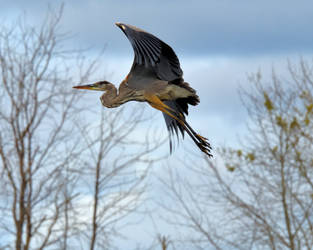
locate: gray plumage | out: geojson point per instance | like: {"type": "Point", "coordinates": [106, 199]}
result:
{"type": "Point", "coordinates": [155, 77]}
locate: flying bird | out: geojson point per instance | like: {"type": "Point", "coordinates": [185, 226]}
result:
{"type": "Point", "coordinates": [156, 78]}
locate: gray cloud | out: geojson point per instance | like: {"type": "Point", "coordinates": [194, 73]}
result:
{"type": "Point", "coordinates": [218, 43]}
{"type": "Point", "coordinates": [193, 28]}
{"type": "Point", "coordinates": [214, 40]}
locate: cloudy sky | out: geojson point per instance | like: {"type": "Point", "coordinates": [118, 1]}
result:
{"type": "Point", "coordinates": [218, 42]}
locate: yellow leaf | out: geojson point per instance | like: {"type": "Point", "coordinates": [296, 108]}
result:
{"type": "Point", "coordinates": [281, 122]}
{"type": "Point", "coordinates": [268, 103]}
{"type": "Point", "coordinates": [306, 120]}
{"type": "Point", "coordinates": [304, 94]}
{"type": "Point", "coordinates": [250, 156]}
{"type": "Point", "coordinates": [298, 156]}
{"type": "Point", "coordinates": [230, 168]}
{"type": "Point", "coordinates": [309, 108]}
{"type": "Point", "coordinates": [294, 124]}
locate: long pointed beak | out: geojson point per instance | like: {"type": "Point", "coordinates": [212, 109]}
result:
{"type": "Point", "coordinates": [89, 86]}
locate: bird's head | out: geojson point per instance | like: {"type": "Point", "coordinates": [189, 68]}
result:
{"type": "Point", "coordinates": [100, 86]}
{"type": "Point", "coordinates": [107, 99]}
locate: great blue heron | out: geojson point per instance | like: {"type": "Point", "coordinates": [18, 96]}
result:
{"type": "Point", "coordinates": [155, 77]}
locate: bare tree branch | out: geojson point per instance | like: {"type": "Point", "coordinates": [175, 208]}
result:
{"type": "Point", "coordinates": [62, 177]}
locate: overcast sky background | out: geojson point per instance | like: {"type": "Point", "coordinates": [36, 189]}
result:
{"type": "Point", "coordinates": [218, 42]}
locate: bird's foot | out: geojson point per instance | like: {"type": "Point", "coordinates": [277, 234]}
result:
{"type": "Point", "coordinates": [201, 137]}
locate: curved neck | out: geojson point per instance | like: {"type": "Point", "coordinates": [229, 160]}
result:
{"type": "Point", "coordinates": [108, 98]}
{"type": "Point", "coordinates": [111, 98]}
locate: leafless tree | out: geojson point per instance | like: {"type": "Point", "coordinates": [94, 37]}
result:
{"type": "Point", "coordinates": [160, 242]}
{"type": "Point", "coordinates": [62, 178]}
{"type": "Point", "coordinates": [262, 197]}
{"type": "Point", "coordinates": [112, 176]}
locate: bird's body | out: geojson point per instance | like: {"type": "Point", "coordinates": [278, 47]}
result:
{"type": "Point", "coordinates": [156, 78]}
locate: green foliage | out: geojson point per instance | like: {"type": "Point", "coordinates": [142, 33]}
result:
{"type": "Point", "coordinates": [239, 153]}
{"type": "Point", "coordinates": [250, 157]}
{"type": "Point", "coordinates": [304, 94]}
{"type": "Point", "coordinates": [307, 120]}
{"type": "Point", "coordinates": [274, 149]}
{"type": "Point", "coordinates": [298, 156]}
{"type": "Point", "coordinates": [294, 124]}
{"type": "Point", "coordinates": [230, 168]}
{"type": "Point", "coordinates": [308, 114]}
{"type": "Point", "coordinates": [281, 122]}
{"type": "Point", "coordinates": [309, 108]}
{"type": "Point", "coordinates": [275, 164]}
{"type": "Point", "coordinates": [267, 102]}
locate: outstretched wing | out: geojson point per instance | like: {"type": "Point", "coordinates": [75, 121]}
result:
{"type": "Point", "coordinates": [152, 54]}
{"type": "Point", "coordinates": [155, 59]}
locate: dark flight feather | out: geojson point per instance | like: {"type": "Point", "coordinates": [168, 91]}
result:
{"type": "Point", "coordinates": [153, 55]}
{"type": "Point", "coordinates": [180, 106]}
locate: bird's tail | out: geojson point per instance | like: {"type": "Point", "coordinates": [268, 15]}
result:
{"type": "Point", "coordinates": [176, 121]}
